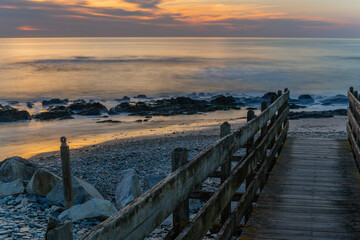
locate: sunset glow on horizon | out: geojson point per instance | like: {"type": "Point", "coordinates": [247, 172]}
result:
{"type": "Point", "coordinates": [175, 18]}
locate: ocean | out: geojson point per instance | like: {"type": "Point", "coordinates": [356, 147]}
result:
{"type": "Point", "coordinates": [34, 69]}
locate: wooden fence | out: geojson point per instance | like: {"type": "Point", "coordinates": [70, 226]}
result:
{"type": "Point", "coordinates": [352, 127]}
{"type": "Point", "coordinates": [263, 138]}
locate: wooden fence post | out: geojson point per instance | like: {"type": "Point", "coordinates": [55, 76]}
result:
{"type": "Point", "coordinates": [263, 108]}
{"type": "Point", "coordinates": [66, 172]}
{"type": "Point", "coordinates": [225, 129]}
{"type": "Point", "coordinates": [351, 89]}
{"type": "Point", "coordinates": [181, 213]}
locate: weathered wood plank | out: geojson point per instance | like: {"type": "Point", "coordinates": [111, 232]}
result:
{"type": "Point", "coordinates": [311, 198]}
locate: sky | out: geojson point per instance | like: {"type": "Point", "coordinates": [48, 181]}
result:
{"type": "Point", "coordinates": [180, 18]}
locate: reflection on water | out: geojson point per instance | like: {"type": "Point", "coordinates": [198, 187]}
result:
{"type": "Point", "coordinates": [29, 138]}
{"type": "Point", "coordinates": [113, 67]}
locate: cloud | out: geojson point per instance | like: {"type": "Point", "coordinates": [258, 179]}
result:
{"type": "Point", "coordinates": [145, 3]}
{"type": "Point", "coordinates": [28, 28]}
{"type": "Point", "coordinates": [161, 18]}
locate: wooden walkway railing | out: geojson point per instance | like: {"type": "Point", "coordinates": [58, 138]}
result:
{"type": "Point", "coordinates": [352, 126]}
{"type": "Point", "coordinates": [263, 138]}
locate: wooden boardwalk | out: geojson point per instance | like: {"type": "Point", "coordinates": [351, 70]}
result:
{"type": "Point", "coordinates": [313, 192]}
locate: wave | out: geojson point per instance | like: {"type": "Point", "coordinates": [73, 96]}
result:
{"type": "Point", "coordinates": [86, 59]}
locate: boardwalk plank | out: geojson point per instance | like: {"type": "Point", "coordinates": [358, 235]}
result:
{"type": "Point", "coordinates": [313, 192]}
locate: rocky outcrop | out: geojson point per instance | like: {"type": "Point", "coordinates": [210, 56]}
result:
{"type": "Point", "coordinates": [10, 114]}
{"type": "Point", "coordinates": [15, 168]}
{"type": "Point", "coordinates": [11, 188]}
{"type": "Point", "coordinates": [42, 182]}
{"type": "Point", "coordinates": [88, 108]}
{"type": "Point", "coordinates": [306, 99]}
{"type": "Point", "coordinates": [82, 190]}
{"type": "Point", "coordinates": [175, 106]}
{"type": "Point", "coordinates": [94, 208]}
{"type": "Point", "coordinates": [55, 101]}
{"type": "Point", "coordinates": [58, 112]}
{"type": "Point", "coordinates": [127, 189]}
{"type": "Point", "coordinates": [338, 99]}
{"type": "Point", "coordinates": [317, 114]}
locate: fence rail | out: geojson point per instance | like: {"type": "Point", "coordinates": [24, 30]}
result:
{"type": "Point", "coordinates": [352, 127]}
{"type": "Point", "coordinates": [263, 138]}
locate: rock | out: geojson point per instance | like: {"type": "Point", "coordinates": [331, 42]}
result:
{"type": "Point", "coordinates": [88, 108]}
{"type": "Point", "coordinates": [109, 121]}
{"type": "Point", "coordinates": [10, 114]}
{"type": "Point", "coordinates": [338, 99]}
{"type": "Point", "coordinates": [306, 99]}
{"type": "Point", "coordinates": [58, 230]}
{"type": "Point", "coordinates": [295, 106]}
{"type": "Point", "coordinates": [127, 189]}
{"type": "Point", "coordinates": [42, 182]}
{"type": "Point", "coordinates": [317, 114]}
{"type": "Point", "coordinates": [267, 96]}
{"type": "Point", "coordinates": [82, 190]}
{"type": "Point", "coordinates": [16, 167]}
{"type": "Point", "coordinates": [141, 96]}
{"type": "Point", "coordinates": [151, 180]}
{"type": "Point", "coordinates": [11, 188]}
{"type": "Point", "coordinates": [29, 104]}
{"type": "Point", "coordinates": [222, 100]}
{"type": "Point", "coordinates": [58, 112]}
{"type": "Point", "coordinates": [125, 98]}
{"type": "Point", "coordinates": [55, 101]}
{"type": "Point", "coordinates": [94, 208]}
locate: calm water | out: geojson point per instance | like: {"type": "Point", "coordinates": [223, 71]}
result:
{"type": "Point", "coordinates": [112, 67]}
{"type": "Point", "coordinates": [108, 68]}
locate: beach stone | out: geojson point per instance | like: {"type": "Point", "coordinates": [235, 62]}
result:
{"type": "Point", "coordinates": [42, 182]}
{"type": "Point", "coordinates": [127, 189]}
{"type": "Point", "coordinates": [151, 180]}
{"type": "Point", "coordinates": [16, 167]}
{"type": "Point", "coordinates": [11, 188]}
{"type": "Point", "coordinates": [94, 208]}
{"type": "Point", "coordinates": [58, 230]}
{"type": "Point", "coordinates": [306, 99]}
{"type": "Point", "coordinates": [83, 192]}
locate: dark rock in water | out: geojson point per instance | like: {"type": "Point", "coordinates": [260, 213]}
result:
{"type": "Point", "coordinates": [109, 121]}
{"type": "Point", "coordinates": [338, 99]}
{"type": "Point", "coordinates": [317, 114]}
{"type": "Point", "coordinates": [222, 100]}
{"type": "Point", "coordinates": [13, 102]}
{"type": "Point", "coordinates": [251, 108]}
{"type": "Point", "coordinates": [55, 101]}
{"type": "Point", "coordinates": [174, 106]}
{"type": "Point", "coordinates": [141, 96]}
{"type": "Point", "coordinates": [88, 108]}
{"type": "Point", "coordinates": [29, 104]}
{"type": "Point", "coordinates": [139, 120]}
{"type": "Point", "coordinates": [267, 96]}
{"type": "Point", "coordinates": [293, 101]}
{"type": "Point", "coordinates": [295, 106]}
{"type": "Point", "coordinates": [10, 114]}
{"type": "Point", "coordinates": [58, 112]}
{"type": "Point", "coordinates": [125, 98]}
{"type": "Point", "coordinates": [201, 94]}
{"type": "Point", "coordinates": [305, 99]}
{"type": "Point", "coordinates": [193, 95]}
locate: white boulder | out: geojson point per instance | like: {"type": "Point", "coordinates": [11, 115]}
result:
{"type": "Point", "coordinates": [11, 188]}
{"type": "Point", "coordinates": [15, 168]}
{"type": "Point", "coordinates": [127, 189]}
{"type": "Point", "coordinates": [94, 208]}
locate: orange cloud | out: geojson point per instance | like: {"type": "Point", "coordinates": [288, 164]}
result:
{"type": "Point", "coordinates": [28, 28]}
